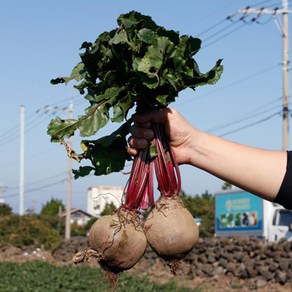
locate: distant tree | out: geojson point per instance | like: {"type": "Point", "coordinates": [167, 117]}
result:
{"type": "Point", "coordinates": [52, 207]}
{"type": "Point", "coordinates": [5, 209]}
{"type": "Point", "coordinates": [227, 186]}
{"type": "Point", "coordinates": [108, 209]}
{"type": "Point", "coordinates": [90, 223]}
{"type": "Point", "coordinates": [203, 207]}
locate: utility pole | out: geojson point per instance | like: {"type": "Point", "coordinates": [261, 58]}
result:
{"type": "Point", "coordinates": [2, 190]}
{"type": "Point", "coordinates": [285, 77]}
{"type": "Point", "coordinates": [285, 63]}
{"type": "Point", "coordinates": [69, 172]}
{"type": "Point", "coordinates": [21, 163]}
{"type": "Point", "coordinates": [69, 183]}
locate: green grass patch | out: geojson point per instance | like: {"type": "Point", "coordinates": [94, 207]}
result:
{"type": "Point", "coordinates": [38, 276]}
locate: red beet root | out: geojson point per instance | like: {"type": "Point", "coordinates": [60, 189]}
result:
{"type": "Point", "coordinates": [170, 229]}
{"type": "Point", "coordinates": [118, 239]}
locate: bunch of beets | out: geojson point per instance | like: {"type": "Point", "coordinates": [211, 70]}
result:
{"type": "Point", "coordinates": [139, 64]}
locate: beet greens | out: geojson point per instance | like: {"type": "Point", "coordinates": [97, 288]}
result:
{"type": "Point", "coordinates": [138, 64]}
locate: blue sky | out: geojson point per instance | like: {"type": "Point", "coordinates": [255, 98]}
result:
{"type": "Point", "coordinates": [40, 40]}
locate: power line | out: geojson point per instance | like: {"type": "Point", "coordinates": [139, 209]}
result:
{"type": "Point", "coordinates": [218, 32]}
{"type": "Point", "coordinates": [209, 15]}
{"type": "Point", "coordinates": [46, 179]}
{"type": "Point", "coordinates": [250, 115]}
{"type": "Point", "coordinates": [222, 36]}
{"type": "Point", "coordinates": [285, 63]}
{"type": "Point", "coordinates": [37, 119]}
{"type": "Point", "coordinates": [13, 133]}
{"type": "Point", "coordinates": [266, 1]}
{"type": "Point", "coordinates": [33, 121]}
{"type": "Point", "coordinates": [38, 188]}
{"type": "Point", "coordinates": [46, 186]}
{"type": "Point", "coordinates": [251, 124]}
{"type": "Point", "coordinates": [231, 84]}
{"type": "Point", "coordinates": [211, 27]}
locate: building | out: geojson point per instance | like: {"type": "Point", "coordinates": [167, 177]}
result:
{"type": "Point", "coordinates": [99, 196]}
{"type": "Point", "coordinates": [78, 216]}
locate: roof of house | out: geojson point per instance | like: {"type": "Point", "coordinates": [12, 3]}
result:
{"type": "Point", "coordinates": [75, 210]}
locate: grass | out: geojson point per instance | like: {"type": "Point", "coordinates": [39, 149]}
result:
{"type": "Point", "coordinates": [39, 276]}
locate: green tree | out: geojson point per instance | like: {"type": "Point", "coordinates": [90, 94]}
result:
{"type": "Point", "coordinates": [108, 209]}
{"type": "Point", "coordinates": [227, 186]}
{"type": "Point", "coordinates": [203, 207]}
{"type": "Point", "coordinates": [52, 208]}
{"type": "Point", "coordinates": [5, 209]}
{"type": "Point", "coordinates": [90, 223]}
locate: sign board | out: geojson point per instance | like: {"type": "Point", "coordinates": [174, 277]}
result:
{"type": "Point", "coordinates": [238, 213]}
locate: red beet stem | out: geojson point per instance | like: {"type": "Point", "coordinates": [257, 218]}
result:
{"type": "Point", "coordinates": [166, 167]}
{"type": "Point", "coordinates": [140, 186]}
{"type": "Point", "coordinates": [140, 194]}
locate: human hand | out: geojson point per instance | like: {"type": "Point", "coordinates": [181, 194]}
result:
{"type": "Point", "coordinates": [179, 131]}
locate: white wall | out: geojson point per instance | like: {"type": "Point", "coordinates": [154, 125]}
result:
{"type": "Point", "coordinates": [99, 196]}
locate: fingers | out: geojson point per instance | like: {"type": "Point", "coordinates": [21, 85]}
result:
{"type": "Point", "coordinates": [135, 144]}
{"type": "Point", "coordinates": [155, 116]}
{"type": "Point", "coordinates": [141, 137]}
{"type": "Point", "coordinates": [142, 131]}
{"type": "Point", "coordinates": [132, 151]}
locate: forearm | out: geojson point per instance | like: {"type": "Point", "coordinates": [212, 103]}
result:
{"type": "Point", "coordinates": [256, 170]}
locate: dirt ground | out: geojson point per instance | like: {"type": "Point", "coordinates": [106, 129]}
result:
{"type": "Point", "coordinates": [159, 273]}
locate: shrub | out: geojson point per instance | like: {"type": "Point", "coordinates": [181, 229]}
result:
{"type": "Point", "coordinates": [52, 207]}
{"type": "Point", "coordinates": [28, 230]}
{"type": "Point", "coordinates": [5, 209]}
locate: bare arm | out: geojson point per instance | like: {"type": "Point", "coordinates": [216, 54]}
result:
{"type": "Point", "coordinates": [256, 170]}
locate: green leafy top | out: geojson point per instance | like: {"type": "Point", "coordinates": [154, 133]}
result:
{"type": "Point", "coordinates": [137, 64]}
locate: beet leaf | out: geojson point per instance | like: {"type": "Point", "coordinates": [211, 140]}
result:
{"type": "Point", "coordinates": [138, 64]}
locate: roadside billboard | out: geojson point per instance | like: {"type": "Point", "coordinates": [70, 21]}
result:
{"type": "Point", "coordinates": [238, 212]}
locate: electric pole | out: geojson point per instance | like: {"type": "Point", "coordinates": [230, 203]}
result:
{"type": "Point", "coordinates": [285, 63]}
{"type": "Point", "coordinates": [54, 110]}
{"type": "Point", "coordinates": [2, 190]}
{"type": "Point", "coordinates": [21, 163]}
{"type": "Point", "coordinates": [285, 76]}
